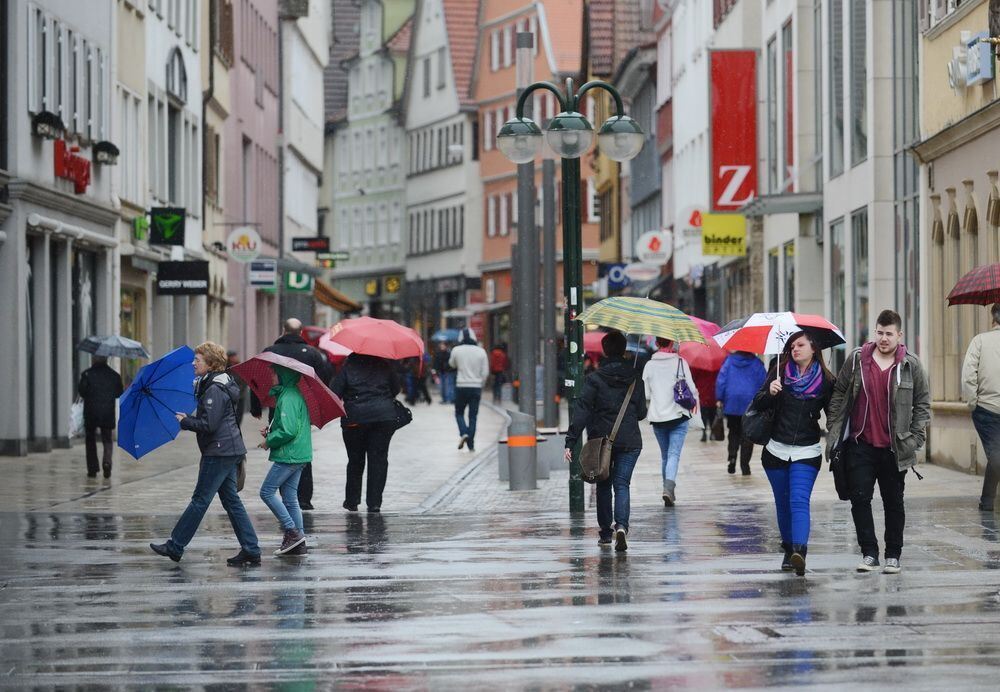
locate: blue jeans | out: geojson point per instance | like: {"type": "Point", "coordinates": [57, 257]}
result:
{"type": "Point", "coordinates": [467, 397]}
{"type": "Point", "coordinates": [792, 486]}
{"type": "Point", "coordinates": [988, 426]}
{"type": "Point", "coordinates": [283, 477]}
{"type": "Point", "coordinates": [671, 436]}
{"type": "Point", "coordinates": [622, 465]}
{"type": "Point", "coordinates": [215, 475]}
{"type": "Point", "coordinates": [448, 387]}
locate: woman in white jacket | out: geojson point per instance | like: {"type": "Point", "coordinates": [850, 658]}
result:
{"type": "Point", "coordinates": [670, 420]}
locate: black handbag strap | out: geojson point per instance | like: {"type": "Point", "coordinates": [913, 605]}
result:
{"type": "Point", "coordinates": [621, 412]}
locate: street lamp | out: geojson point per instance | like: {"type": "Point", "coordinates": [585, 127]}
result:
{"type": "Point", "coordinates": [569, 135]}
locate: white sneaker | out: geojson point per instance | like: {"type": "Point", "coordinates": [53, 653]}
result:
{"type": "Point", "coordinates": [868, 564]}
{"type": "Point", "coordinates": [892, 566]}
{"type": "Point", "coordinates": [621, 540]}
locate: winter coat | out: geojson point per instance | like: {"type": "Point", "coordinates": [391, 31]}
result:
{"type": "Point", "coordinates": [99, 387]}
{"type": "Point", "coordinates": [909, 405]}
{"type": "Point", "coordinates": [294, 346]}
{"type": "Point", "coordinates": [796, 421]}
{"type": "Point", "coordinates": [368, 385]}
{"type": "Point", "coordinates": [472, 364]}
{"type": "Point", "coordinates": [440, 364]}
{"type": "Point", "coordinates": [215, 420]}
{"type": "Point", "coordinates": [290, 435]}
{"type": "Point", "coordinates": [739, 380]}
{"type": "Point", "coordinates": [598, 406]}
{"type": "Point", "coordinates": [499, 362]}
{"type": "Point", "coordinates": [659, 377]}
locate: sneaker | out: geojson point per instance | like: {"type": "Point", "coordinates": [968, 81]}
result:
{"type": "Point", "coordinates": [244, 558]}
{"type": "Point", "coordinates": [798, 560]}
{"type": "Point", "coordinates": [868, 564]}
{"type": "Point", "coordinates": [293, 537]}
{"type": "Point", "coordinates": [604, 541]}
{"type": "Point", "coordinates": [892, 566]}
{"type": "Point", "coordinates": [162, 549]}
{"type": "Point", "coordinates": [300, 549]}
{"type": "Point", "coordinates": [621, 539]}
{"type": "Point", "coordinates": [462, 440]}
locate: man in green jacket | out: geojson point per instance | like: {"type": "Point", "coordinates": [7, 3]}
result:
{"type": "Point", "coordinates": [289, 437]}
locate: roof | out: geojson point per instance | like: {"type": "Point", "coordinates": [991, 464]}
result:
{"type": "Point", "coordinates": [345, 43]}
{"type": "Point", "coordinates": [602, 37]}
{"type": "Point", "coordinates": [462, 21]}
{"type": "Point", "coordinates": [399, 42]}
{"type": "Point", "coordinates": [564, 20]}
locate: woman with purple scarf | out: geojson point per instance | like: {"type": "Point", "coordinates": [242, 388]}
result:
{"type": "Point", "coordinates": [792, 456]}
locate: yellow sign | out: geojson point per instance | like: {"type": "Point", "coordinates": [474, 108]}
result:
{"type": "Point", "coordinates": [393, 284]}
{"type": "Point", "coordinates": [724, 235]}
{"type": "Point", "coordinates": [371, 288]}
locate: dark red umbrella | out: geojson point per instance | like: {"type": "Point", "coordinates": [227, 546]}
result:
{"type": "Point", "coordinates": [708, 357]}
{"type": "Point", "coordinates": [258, 372]}
{"type": "Point", "coordinates": [382, 338]}
{"type": "Point", "coordinates": [981, 286]}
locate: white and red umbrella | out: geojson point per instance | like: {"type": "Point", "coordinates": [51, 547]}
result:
{"type": "Point", "coordinates": [258, 372]}
{"type": "Point", "coordinates": [768, 332]}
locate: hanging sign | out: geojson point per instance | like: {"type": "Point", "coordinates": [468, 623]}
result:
{"type": "Point", "coordinates": [70, 166]}
{"type": "Point", "coordinates": [166, 226]}
{"type": "Point", "coordinates": [654, 247]}
{"type": "Point", "coordinates": [264, 273]}
{"type": "Point", "coordinates": [724, 235]}
{"type": "Point", "coordinates": [733, 128]}
{"type": "Point", "coordinates": [243, 244]}
{"type": "Point", "coordinates": [317, 244]}
{"type": "Point", "coordinates": [298, 282]}
{"type": "Point", "coordinates": [182, 278]}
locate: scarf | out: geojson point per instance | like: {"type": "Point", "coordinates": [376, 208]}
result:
{"type": "Point", "coordinates": [807, 385]}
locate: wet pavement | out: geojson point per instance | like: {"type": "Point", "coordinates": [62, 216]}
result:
{"type": "Point", "coordinates": [468, 593]}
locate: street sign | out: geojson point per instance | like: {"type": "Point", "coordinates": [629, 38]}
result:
{"type": "Point", "coordinates": [264, 273]}
{"type": "Point", "coordinates": [243, 244]}
{"type": "Point", "coordinates": [637, 271]}
{"type": "Point", "coordinates": [317, 244]}
{"type": "Point", "coordinates": [336, 255]}
{"type": "Point", "coordinates": [298, 282]}
{"type": "Point", "coordinates": [654, 247]}
{"type": "Point", "coordinates": [182, 278]}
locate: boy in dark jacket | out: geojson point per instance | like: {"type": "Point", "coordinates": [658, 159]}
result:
{"type": "Point", "coordinates": [604, 392]}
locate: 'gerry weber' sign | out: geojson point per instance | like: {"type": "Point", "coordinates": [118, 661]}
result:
{"type": "Point", "coordinates": [182, 278]}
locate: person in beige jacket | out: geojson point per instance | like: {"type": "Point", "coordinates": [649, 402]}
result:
{"type": "Point", "coordinates": [981, 389]}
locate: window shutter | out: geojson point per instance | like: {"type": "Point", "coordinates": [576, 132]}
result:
{"type": "Point", "coordinates": [495, 51]}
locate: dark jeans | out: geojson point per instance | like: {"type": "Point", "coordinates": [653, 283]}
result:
{"type": "Point", "coordinates": [708, 414]}
{"type": "Point", "coordinates": [499, 379]}
{"type": "Point", "coordinates": [90, 440]}
{"type": "Point", "coordinates": [306, 485]}
{"type": "Point", "coordinates": [737, 443]}
{"type": "Point", "coordinates": [467, 397]}
{"type": "Point", "coordinates": [215, 475]}
{"type": "Point", "coordinates": [867, 465]}
{"type": "Point", "coordinates": [988, 426]}
{"type": "Point", "coordinates": [622, 465]}
{"type": "Point", "coordinates": [368, 442]}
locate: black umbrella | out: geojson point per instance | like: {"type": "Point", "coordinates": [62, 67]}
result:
{"type": "Point", "coordinates": [112, 346]}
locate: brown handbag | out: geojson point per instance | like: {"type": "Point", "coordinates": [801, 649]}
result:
{"type": "Point", "coordinates": [595, 459]}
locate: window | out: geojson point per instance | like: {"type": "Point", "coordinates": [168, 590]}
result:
{"type": "Point", "coordinates": [818, 94]}
{"type": "Point", "coordinates": [607, 230]}
{"type": "Point", "coordinates": [772, 116]}
{"type": "Point", "coordinates": [859, 233]}
{"type": "Point", "coordinates": [427, 76]}
{"type": "Point", "coordinates": [130, 159]}
{"type": "Point", "coordinates": [487, 130]}
{"type": "Point", "coordinates": [442, 65]}
{"type": "Point", "coordinates": [593, 203]}
{"type": "Point", "coordinates": [494, 51]}
{"type": "Point", "coordinates": [790, 275]}
{"type": "Point", "coordinates": [836, 101]}
{"type": "Point", "coordinates": [859, 82]}
{"type": "Point", "coordinates": [491, 219]}
{"type": "Point", "coordinates": [788, 93]}
{"type": "Point", "coordinates": [837, 282]}
{"type": "Point", "coordinates": [773, 281]}
{"type": "Point", "coordinates": [504, 209]}
{"type": "Point", "coordinates": [395, 227]}
{"type": "Point", "coordinates": [533, 28]}
{"type": "Point", "coordinates": [508, 46]}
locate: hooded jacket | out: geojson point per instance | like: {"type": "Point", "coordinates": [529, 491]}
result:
{"type": "Point", "coordinates": [740, 378]}
{"type": "Point", "coordinates": [471, 362]}
{"type": "Point", "coordinates": [909, 404]}
{"type": "Point", "coordinates": [368, 385]}
{"type": "Point", "coordinates": [290, 434]}
{"type": "Point", "coordinates": [214, 421]}
{"type": "Point", "coordinates": [598, 406]}
{"type": "Point", "coordinates": [659, 377]}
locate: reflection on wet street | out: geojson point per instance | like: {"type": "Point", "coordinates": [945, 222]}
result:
{"type": "Point", "coordinates": [400, 601]}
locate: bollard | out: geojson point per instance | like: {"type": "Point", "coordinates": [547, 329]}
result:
{"type": "Point", "coordinates": [522, 451]}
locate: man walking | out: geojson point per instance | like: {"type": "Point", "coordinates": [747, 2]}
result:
{"type": "Point", "coordinates": [499, 365]}
{"type": "Point", "coordinates": [473, 366]}
{"type": "Point", "coordinates": [878, 415]}
{"type": "Point", "coordinates": [981, 389]}
{"type": "Point", "coordinates": [99, 387]}
{"type": "Point", "coordinates": [445, 373]}
{"type": "Point", "coordinates": [292, 345]}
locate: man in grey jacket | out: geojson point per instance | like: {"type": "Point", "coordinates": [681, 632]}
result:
{"type": "Point", "coordinates": [877, 420]}
{"type": "Point", "coordinates": [473, 366]}
{"type": "Point", "coordinates": [981, 389]}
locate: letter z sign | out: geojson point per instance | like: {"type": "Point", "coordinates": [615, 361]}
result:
{"type": "Point", "coordinates": [733, 103]}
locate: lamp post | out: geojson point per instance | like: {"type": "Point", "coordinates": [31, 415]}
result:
{"type": "Point", "coordinates": [570, 135]}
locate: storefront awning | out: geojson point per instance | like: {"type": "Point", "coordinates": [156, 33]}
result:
{"type": "Point", "coordinates": [789, 203]}
{"type": "Point", "coordinates": [475, 308]}
{"type": "Point", "coordinates": [330, 296]}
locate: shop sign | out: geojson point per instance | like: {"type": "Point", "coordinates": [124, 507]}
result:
{"type": "Point", "coordinates": [448, 285]}
{"type": "Point", "coordinates": [733, 128]}
{"type": "Point", "coordinates": [166, 226]}
{"type": "Point", "coordinates": [689, 222]}
{"type": "Point", "coordinates": [979, 60]}
{"type": "Point", "coordinates": [182, 278]}
{"type": "Point", "coordinates": [317, 244]}
{"type": "Point", "coordinates": [336, 255]}
{"type": "Point", "coordinates": [243, 244]}
{"type": "Point", "coordinates": [654, 247]}
{"type": "Point", "coordinates": [298, 282]}
{"type": "Point", "coordinates": [616, 276]}
{"type": "Point", "coordinates": [393, 284]}
{"type": "Point", "coordinates": [372, 288]}
{"type": "Point", "coordinates": [264, 273]}
{"type": "Point", "coordinates": [724, 235]}
{"type": "Point", "coordinates": [140, 228]}
{"type": "Point", "coordinates": [637, 271]}
{"type": "Point", "coordinates": [70, 166]}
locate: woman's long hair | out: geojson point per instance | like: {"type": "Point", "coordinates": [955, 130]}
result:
{"type": "Point", "coordinates": [786, 353]}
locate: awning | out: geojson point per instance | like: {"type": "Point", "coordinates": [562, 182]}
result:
{"type": "Point", "coordinates": [328, 295]}
{"type": "Point", "coordinates": [475, 308]}
{"type": "Point", "coordinates": [786, 203]}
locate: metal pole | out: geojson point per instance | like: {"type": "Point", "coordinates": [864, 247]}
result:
{"type": "Point", "coordinates": [550, 416]}
{"type": "Point", "coordinates": [527, 243]}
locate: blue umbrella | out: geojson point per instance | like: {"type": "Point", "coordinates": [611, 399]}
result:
{"type": "Point", "coordinates": [445, 335]}
{"type": "Point", "coordinates": [159, 390]}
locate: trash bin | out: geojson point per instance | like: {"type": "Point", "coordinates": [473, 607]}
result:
{"type": "Point", "coordinates": [522, 451]}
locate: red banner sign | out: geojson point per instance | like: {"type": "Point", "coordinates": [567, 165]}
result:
{"type": "Point", "coordinates": [71, 167]}
{"type": "Point", "coordinates": [733, 104]}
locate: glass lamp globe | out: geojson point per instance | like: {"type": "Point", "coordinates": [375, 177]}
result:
{"type": "Point", "coordinates": [520, 140]}
{"type": "Point", "coordinates": [570, 135]}
{"type": "Point", "coordinates": [620, 138]}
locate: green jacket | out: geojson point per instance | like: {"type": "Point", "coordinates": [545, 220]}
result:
{"type": "Point", "coordinates": [290, 436]}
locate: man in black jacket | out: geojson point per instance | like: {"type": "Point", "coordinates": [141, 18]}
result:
{"type": "Point", "coordinates": [291, 345]}
{"type": "Point", "coordinates": [99, 387]}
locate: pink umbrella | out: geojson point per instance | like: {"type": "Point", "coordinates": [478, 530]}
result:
{"type": "Point", "coordinates": [592, 343]}
{"type": "Point", "coordinates": [258, 372]}
{"type": "Point", "coordinates": [707, 329]}
{"type": "Point", "coordinates": [381, 338]}
{"type": "Point", "coordinates": [335, 351]}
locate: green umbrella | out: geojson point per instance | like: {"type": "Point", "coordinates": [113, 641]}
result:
{"type": "Point", "coordinates": [642, 316]}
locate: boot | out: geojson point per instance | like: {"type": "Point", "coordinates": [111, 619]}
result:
{"type": "Point", "coordinates": [745, 467]}
{"type": "Point", "coordinates": [798, 559]}
{"type": "Point", "coordinates": [786, 562]}
{"type": "Point", "coordinates": [732, 466]}
{"type": "Point", "coordinates": [668, 493]}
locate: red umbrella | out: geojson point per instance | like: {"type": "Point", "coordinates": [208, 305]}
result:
{"type": "Point", "coordinates": [382, 338]}
{"type": "Point", "coordinates": [708, 357]}
{"type": "Point", "coordinates": [707, 329]}
{"type": "Point", "coordinates": [981, 286]}
{"type": "Point", "coordinates": [324, 406]}
{"type": "Point", "coordinates": [592, 343]}
{"type": "Point", "coordinates": [337, 353]}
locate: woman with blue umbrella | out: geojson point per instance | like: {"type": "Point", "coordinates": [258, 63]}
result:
{"type": "Point", "coordinates": [222, 450]}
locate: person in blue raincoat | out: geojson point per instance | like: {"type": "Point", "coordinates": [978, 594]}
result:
{"type": "Point", "coordinates": [740, 378]}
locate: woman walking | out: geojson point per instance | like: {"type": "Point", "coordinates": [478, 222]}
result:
{"type": "Point", "coordinates": [669, 417]}
{"type": "Point", "coordinates": [222, 450]}
{"type": "Point", "coordinates": [368, 386]}
{"type": "Point", "coordinates": [742, 374]}
{"type": "Point", "coordinates": [797, 395]}
{"type": "Point", "coordinates": [604, 393]}
{"type": "Point", "coordinates": [289, 437]}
